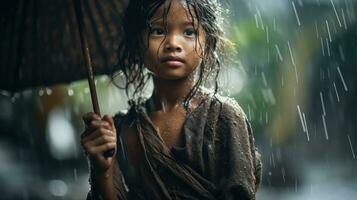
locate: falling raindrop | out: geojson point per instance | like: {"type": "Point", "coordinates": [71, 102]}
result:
{"type": "Point", "coordinates": [334, 8]}
{"type": "Point", "coordinates": [342, 54]}
{"type": "Point", "coordinates": [337, 96]}
{"type": "Point", "coordinates": [296, 75]}
{"type": "Point", "coordinates": [282, 81]}
{"type": "Point", "coordinates": [291, 54]}
{"type": "Point", "coordinates": [256, 20]}
{"type": "Point", "coordinates": [316, 30]}
{"type": "Point", "coordinates": [306, 129]}
{"type": "Point", "coordinates": [328, 31]}
{"type": "Point", "coordinates": [264, 79]}
{"type": "Point", "coordinates": [296, 14]}
{"type": "Point", "coordinates": [353, 153]}
{"type": "Point", "coordinates": [328, 47]}
{"type": "Point", "coordinates": [266, 117]}
{"type": "Point", "coordinates": [322, 104]}
{"type": "Point", "coordinates": [260, 19]}
{"type": "Point", "coordinates": [279, 53]}
{"type": "Point", "coordinates": [322, 47]}
{"type": "Point", "coordinates": [325, 127]}
{"type": "Point", "coordinates": [344, 18]}
{"type": "Point", "coordinates": [273, 159]}
{"type": "Point", "coordinates": [301, 118]}
{"type": "Point", "coordinates": [342, 79]}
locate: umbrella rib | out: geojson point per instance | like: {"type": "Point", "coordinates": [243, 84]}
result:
{"type": "Point", "coordinates": [99, 47]}
{"type": "Point", "coordinates": [105, 24]}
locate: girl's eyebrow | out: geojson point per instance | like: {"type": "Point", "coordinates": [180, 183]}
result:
{"type": "Point", "coordinates": [161, 21]}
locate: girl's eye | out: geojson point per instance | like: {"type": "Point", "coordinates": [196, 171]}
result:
{"type": "Point", "coordinates": [157, 31]}
{"type": "Point", "coordinates": [190, 32]}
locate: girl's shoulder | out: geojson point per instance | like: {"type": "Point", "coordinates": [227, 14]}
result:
{"type": "Point", "coordinates": [228, 107]}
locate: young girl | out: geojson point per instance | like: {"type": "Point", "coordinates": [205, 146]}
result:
{"type": "Point", "coordinates": [184, 142]}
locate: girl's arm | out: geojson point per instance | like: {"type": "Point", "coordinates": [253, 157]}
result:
{"type": "Point", "coordinates": [240, 159]}
{"type": "Point", "coordinates": [99, 137]}
{"type": "Point", "coordinates": [102, 186]}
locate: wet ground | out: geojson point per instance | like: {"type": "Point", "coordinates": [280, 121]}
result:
{"type": "Point", "coordinates": [320, 182]}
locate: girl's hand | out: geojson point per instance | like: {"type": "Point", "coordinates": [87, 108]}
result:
{"type": "Point", "coordinates": [99, 137]}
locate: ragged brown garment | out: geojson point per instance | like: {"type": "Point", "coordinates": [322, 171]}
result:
{"type": "Point", "coordinates": [218, 160]}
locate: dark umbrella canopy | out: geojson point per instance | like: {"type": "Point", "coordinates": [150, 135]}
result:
{"type": "Point", "coordinates": [40, 44]}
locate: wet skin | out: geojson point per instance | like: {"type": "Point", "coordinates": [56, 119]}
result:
{"type": "Point", "coordinates": [173, 53]}
{"type": "Point", "coordinates": [172, 56]}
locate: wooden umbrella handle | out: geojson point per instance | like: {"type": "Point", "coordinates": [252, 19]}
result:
{"type": "Point", "coordinates": [86, 55]}
{"type": "Point", "coordinates": [88, 63]}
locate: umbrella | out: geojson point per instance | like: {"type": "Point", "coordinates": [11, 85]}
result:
{"type": "Point", "coordinates": [48, 42]}
{"type": "Point", "coordinates": [40, 44]}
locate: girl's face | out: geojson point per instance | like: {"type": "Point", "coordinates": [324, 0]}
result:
{"type": "Point", "coordinates": [175, 46]}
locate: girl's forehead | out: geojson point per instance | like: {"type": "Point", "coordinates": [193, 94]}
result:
{"type": "Point", "coordinates": [174, 10]}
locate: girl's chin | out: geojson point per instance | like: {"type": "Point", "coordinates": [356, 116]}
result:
{"type": "Point", "coordinates": [171, 76]}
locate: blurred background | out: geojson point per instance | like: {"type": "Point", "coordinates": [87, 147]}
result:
{"type": "Point", "coordinates": [294, 74]}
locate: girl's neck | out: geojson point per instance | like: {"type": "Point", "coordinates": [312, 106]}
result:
{"type": "Point", "coordinates": [169, 94]}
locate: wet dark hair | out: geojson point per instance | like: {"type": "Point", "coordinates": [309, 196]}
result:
{"type": "Point", "coordinates": [207, 14]}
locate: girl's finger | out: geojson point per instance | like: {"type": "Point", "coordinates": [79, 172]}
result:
{"type": "Point", "coordinates": [88, 117]}
{"type": "Point", "coordinates": [99, 150]}
{"type": "Point", "coordinates": [109, 119]}
{"type": "Point", "coordinates": [101, 140]}
{"type": "Point", "coordinates": [95, 124]}
{"type": "Point", "coordinates": [98, 133]}
{"type": "Point", "coordinates": [99, 124]}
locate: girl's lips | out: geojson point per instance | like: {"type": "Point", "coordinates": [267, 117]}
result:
{"type": "Point", "coordinates": [172, 61]}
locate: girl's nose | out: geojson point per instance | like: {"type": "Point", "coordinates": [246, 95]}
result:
{"type": "Point", "coordinates": [172, 43]}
